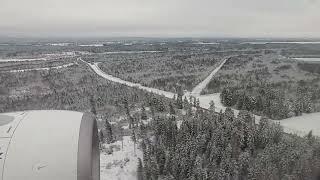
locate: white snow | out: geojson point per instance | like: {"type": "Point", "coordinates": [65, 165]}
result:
{"type": "Point", "coordinates": [206, 99]}
{"type": "Point", "coordinates": [110, 164]}
{"type": "Point", "coordinates": [91, 45]}
{"type": "Point", "coordinates": [22, 60]}
{"type": "Point", "coordinates": [206, 43]}
{"type": "Point", "coordinates": [60, 44]}
{"type": "Point", "coordinates": [130, 52]}
{"type": "Point", "coordinates": [43, 57]}
{"type": "Point", "coordinates": [301, 125]}
{"type": "Point", "coordinates": [41, 69]}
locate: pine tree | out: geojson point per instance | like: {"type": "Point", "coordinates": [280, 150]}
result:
{"type": "Point", "coordinates": [172, 111]}
{"type": "Point", "coordinates": [143, 113]}
{"type": "Point", "coordinates": [190, 100]}
{"type": "Point", "coordinates": [154, 169]}
{"type": "Point", "coordinates": [140, 171]}
{"type": "Point", "coordinates": [134, 139]}
{"type": "Point", "coordinates": [161, 107]}
{"type": "Point", "coordinates": [185, 102]}
{"type": "Point", "coordinates": [108, 130]}
{"type": "Point", "coordinates": [130, 118]}
{"type": "Point", "coordinates": [93, 106]}
{"type": "Point", "coordinates": [212, 107]}
{"type": "Point", "coordinates": [198, 103]}
{"type": "Point", "coordinates": [121, 135]}
{"type": "Point", "coordinates": [179, 101]}
{"type": "Point", "coordinates": [101, 136]}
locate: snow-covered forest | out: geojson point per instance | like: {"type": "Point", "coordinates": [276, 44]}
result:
{"type": "Point", "coordinates": [178, 109]}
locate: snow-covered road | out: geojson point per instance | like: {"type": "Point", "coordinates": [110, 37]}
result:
{"type": "Point", "coordinates": [97, 70]}
{"type": "Point", "coordinates": [197, 90]}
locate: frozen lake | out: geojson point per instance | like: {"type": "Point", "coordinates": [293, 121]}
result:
{"type": "Point", "coordinates": [309, 59]}
{"type": "Point", "coordinates": [282, 42]}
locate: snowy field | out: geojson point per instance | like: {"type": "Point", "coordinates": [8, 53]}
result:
{"type": "Point", "coordinates": [23, 60]}
{"type": "Point", "coordinates": [122, 163]}
{"type": "Point", "coordinates": [302, 124]}
{"type": "Point", "coordinates": [60, 44]}
{"type": "Point", "coordinates": [130, 52]}
{"type": "Point", "coordinates": [43, 57]}
{"type": "Point", "coordinates": [42, 69]}
{"type": "Point", "coordinates": [206, 43]}
{"type": "Point", "coordinates": [91, 45]}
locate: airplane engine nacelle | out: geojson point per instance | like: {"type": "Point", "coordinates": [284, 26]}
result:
{"type": "Point", "coordinates": [49, 145]}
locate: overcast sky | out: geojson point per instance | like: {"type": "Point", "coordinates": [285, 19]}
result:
{"type": "Point", "coordinates": [161, 18]}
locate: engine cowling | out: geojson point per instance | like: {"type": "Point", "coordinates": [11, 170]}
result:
{"type": "Point", "coordinates": [49, 145]}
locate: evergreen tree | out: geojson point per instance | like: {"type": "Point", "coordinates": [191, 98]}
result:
{"type": "Point", "coordinates": [185, 102]}
{"type": "Point", "coordinates": [108, 130]}
{"type": "Point", "coordinates": [212, 107]}
{"type": "Point", "coordinates": [121, 135]}
{"type": "Point", "coordinates": [198, 103]}
{"type": "Point", "coordinates": [161, 106]}
{"type": "Point", "coordinates": [179, 101]}
{"type": "Point", "coordinates": [93, 106]}
{"type": "Point", "coordinates": [101, 136]}
{"type": "Point", "coordinates": [172, 111]}
{"type": "Point", "coordinates": [143, 113]}
{"type": "Point", "coordinates": [134, 139]}
{"type": "Point", "coordinates": [140, 172]}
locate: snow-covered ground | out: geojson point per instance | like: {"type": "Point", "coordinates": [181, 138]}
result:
{"type": "Point", "coordinates": [206, 43]}
{"type": "Point", "coordinates": [130, 52]}
{"type": "Point", "coordinates": [42, 69]}
{"type": "Point", "coordinates": [22, 60]}
{"type": "Point", "coordinates": [206, 99]}
{"type": "Point", "coordinates": [122, 163]}
{"type": "Point", "coordinates": [43, 57]}
{"type": "Point", "coordinates": [301, 125]}
{"type": "Point", "coordinates": [91, 45]}
{"type": "Point", "coordinates": [60, 44]}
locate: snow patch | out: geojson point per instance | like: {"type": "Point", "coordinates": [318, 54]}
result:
{"type": "Point", "coordinates": [41, 69]}
{"type": "Point", "coordinates": [121, 164]}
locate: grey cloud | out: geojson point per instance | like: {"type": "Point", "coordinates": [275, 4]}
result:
{"type": "Point", "coordinates": [246, 18]}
